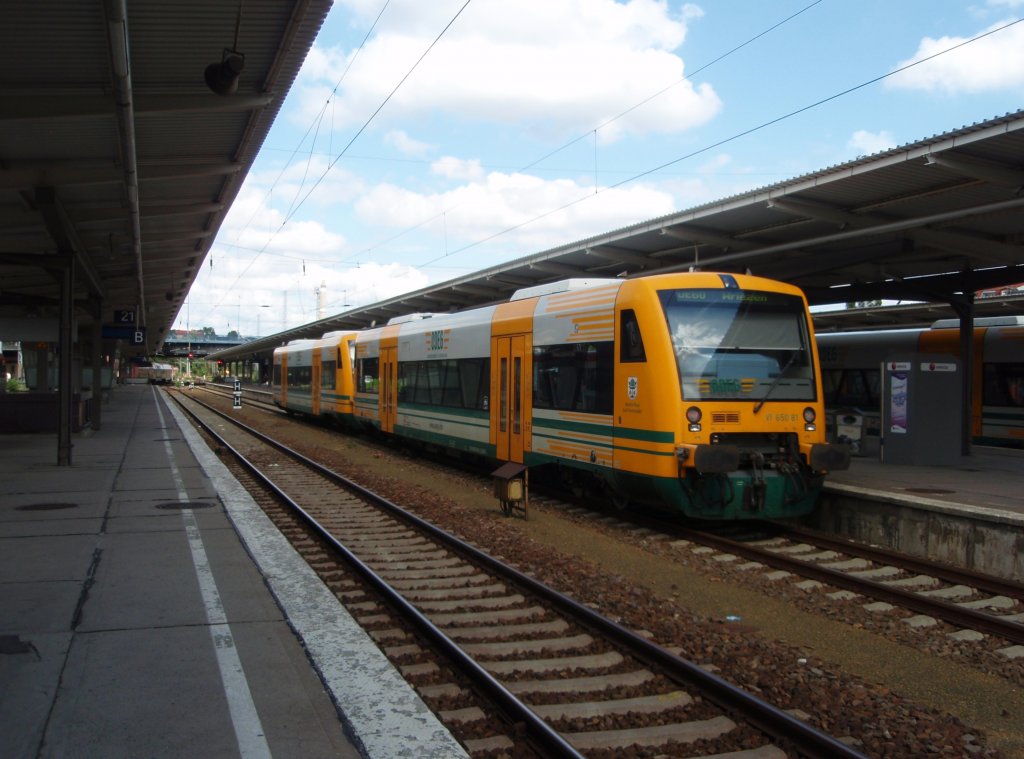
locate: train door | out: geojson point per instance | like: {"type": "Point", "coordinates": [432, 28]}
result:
{"type": "Point", "coordinates": [315, 389]}
{"type": "Point", "coordinates": [388, 389]}
{"type": "Point", "coordinates": [510, 382]}
{"type": "Point", "coordinates": [280, 379]}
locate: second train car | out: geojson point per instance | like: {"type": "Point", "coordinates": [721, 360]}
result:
{"type": "Point", "coordinates": [695, 392]}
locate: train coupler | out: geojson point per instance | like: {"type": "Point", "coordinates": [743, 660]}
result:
{"type": "Point", "coordinates": [754, 495]}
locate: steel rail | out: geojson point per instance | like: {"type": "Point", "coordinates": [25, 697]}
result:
{"type": "Point", "coordinates": [542, 736]}
{"type": "Point", "coordinates": [781, 726]}
{"type": "Point", "coordinates": [949, 612]}
{"type": "Point", "coordinates": [987, 583]}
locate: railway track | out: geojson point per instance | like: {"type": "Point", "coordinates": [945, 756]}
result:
{"type": "Point", "coordinates": [567, 681]}
{"type": "Point", "coordinates": [251, 394]}
{"type": "Point", "coordinates": [969, 600]}
{"type": "Point", "coordinates": [978, 605]}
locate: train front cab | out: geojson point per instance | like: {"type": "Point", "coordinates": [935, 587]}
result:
{"type": "Point", "coordinates": [718, 406]}
{"type": "Point", "coordinates": [296, 377]}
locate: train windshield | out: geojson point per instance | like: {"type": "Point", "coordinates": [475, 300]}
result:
{"type": "Point", "coordinates": [740, 345]}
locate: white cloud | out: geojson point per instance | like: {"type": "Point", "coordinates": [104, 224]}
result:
{"type": "Point", "coordinates": [262, 277]}
{"type": "Point", "coordinates": [530, 213]}
{"type": "Point", "coordinates": [548, 64]}
{"type": "Point", "coordinates": [281, 294]}
{"type": "Point", "coordinates": [301, 181]}
{"type": "Point", "coordinates": [405, 144]}
{"type": "Point", "coordinates": [457, 168]}
{"type": "Point", "coordinates": [991, 63]}
{"type": "Point", "coordinates": [864, 142]}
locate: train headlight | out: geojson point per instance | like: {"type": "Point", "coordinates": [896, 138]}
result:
{"type": "Point", "coordinates": [693, 416]}
{"type": "Point", "coordinates": [809, 418]}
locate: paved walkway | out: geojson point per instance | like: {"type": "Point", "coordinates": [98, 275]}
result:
{"type": "Point", "coordinates": [148, 608]}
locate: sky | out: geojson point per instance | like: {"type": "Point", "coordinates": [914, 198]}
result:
{"type": "Point", "coordinates": [426, 141]}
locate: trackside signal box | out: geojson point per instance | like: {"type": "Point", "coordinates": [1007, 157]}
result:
{"type": "Point", "coordinates": [921, 410]}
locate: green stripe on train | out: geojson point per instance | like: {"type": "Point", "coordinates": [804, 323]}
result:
{"type": "Point", "coordinates": [627, 433]}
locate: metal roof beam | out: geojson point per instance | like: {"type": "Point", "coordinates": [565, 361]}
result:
{"type": "Point", "coordinates": [17, 107]}
{"type": "Point", "coordinates": [939, 238]}
{"type": "Point", "coordinates": [820, 211]}
{"type": "Point", "coordinates": [618, 256]}
{"type": "Point", "coordinates": [695, 234]}
{"type": "Point", "coordinates": [63, 232]}
{"type": "Point", "coordinates": [895, 226]}
{"type": "Point", "coordinates": [151, 211]}
{"type": "Point", "coordinates": [186, 235]}
{"type": "Point", "coordinates": [555, 268]}
{"type": "Point", "coordinates": [510, 280]}
{"type": "Point", "coordinates": [24, 176]}
{"type": "Point", "coordinates": [957, 242]}
{"type": "Point", "coordinates": [485, 292]}
{"type": "Point", "coordinates": [978, 168]}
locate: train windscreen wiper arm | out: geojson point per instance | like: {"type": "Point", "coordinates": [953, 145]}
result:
{"type": "Point", "coordinates": [779, 376]}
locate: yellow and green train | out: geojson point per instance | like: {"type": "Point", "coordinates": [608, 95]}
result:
{"type": "Point", "coordinates": [314, 377]}
{"type": "Point", "coordinates": [695, 392]}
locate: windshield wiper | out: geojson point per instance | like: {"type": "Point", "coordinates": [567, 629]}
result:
{"type": "Point", "coordinates": [779, 376]}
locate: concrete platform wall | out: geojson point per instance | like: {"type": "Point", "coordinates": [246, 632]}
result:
{"type": "Point", "coordinates": [982, 539]}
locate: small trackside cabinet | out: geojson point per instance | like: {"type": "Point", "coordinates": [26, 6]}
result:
{"type": "Point", "coordinates": [921, 410]}
{"type": "Point", "coordinates": [511, 488]}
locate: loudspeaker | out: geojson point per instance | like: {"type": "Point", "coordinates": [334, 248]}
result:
{"type": "Point", "coordinates": [222, 77]}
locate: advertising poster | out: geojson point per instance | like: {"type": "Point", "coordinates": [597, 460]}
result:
{"type": "Point", "coordinates": [898, 404]}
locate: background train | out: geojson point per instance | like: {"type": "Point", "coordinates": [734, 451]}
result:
{"type": "Point", "coordinates": [851, 374]}
{"type": "Point", "coordinates": [153, 373]}
{"type": "Point", "coordinates": [695, 392]}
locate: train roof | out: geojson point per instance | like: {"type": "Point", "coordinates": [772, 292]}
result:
{"type": "Point", "coordinates": [410, 318]}
{"type": "Point", "coordinates": [562, 286]}
{"type": "Point", "coordinates": [985, 321]}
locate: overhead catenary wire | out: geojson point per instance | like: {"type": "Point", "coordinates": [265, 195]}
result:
{"type": "Point", "coordinates": [357, 134]}
{"type": "Point", "coordinates": [585, 135]}
{"type": "Point", "coordinates": [294, 207]}
{"type": "Point", "coordinates": [727, 140]}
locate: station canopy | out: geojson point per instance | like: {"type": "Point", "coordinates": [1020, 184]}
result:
{"type": "Point", "coordinates": [932, 223]}
{"type": "Point", "coordinates": [124, 139]}
{"type": "Point", "coordinates": [116, 155]}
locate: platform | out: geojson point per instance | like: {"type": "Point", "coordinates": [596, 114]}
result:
{"type": "Point", "coordinates": [150, 609]}
{"type": "Point", "coordinates": [969, 514]}
{"type": "Point", "coordinates": [989, 480]}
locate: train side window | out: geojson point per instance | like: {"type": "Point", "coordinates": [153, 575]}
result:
{"type": "Point", "coordinates": [517, 395]}
{"type": "Point", "coordinates": [1003, 385]}
{"type": "Point", "coordinates": [422, 392]}
{"type": "Point", "coordinates": [300, 378]}
{"type": "Point", "coordinates": [369, 375]}
{"type": "Point", "coordinates": [631, 343]}
{"type": "Point", "coordinates": [451, 393]}
{"type": "Point", "coordinates": [474, 379]}
{"type": "Point", "coordinates": [406, 380]}
{"type": "Point", "coordinates": [329, 375]}
{"type": "Point", "coordinates": [575, 377]}
{"type": "Point", "coordinates": [503, 396]}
